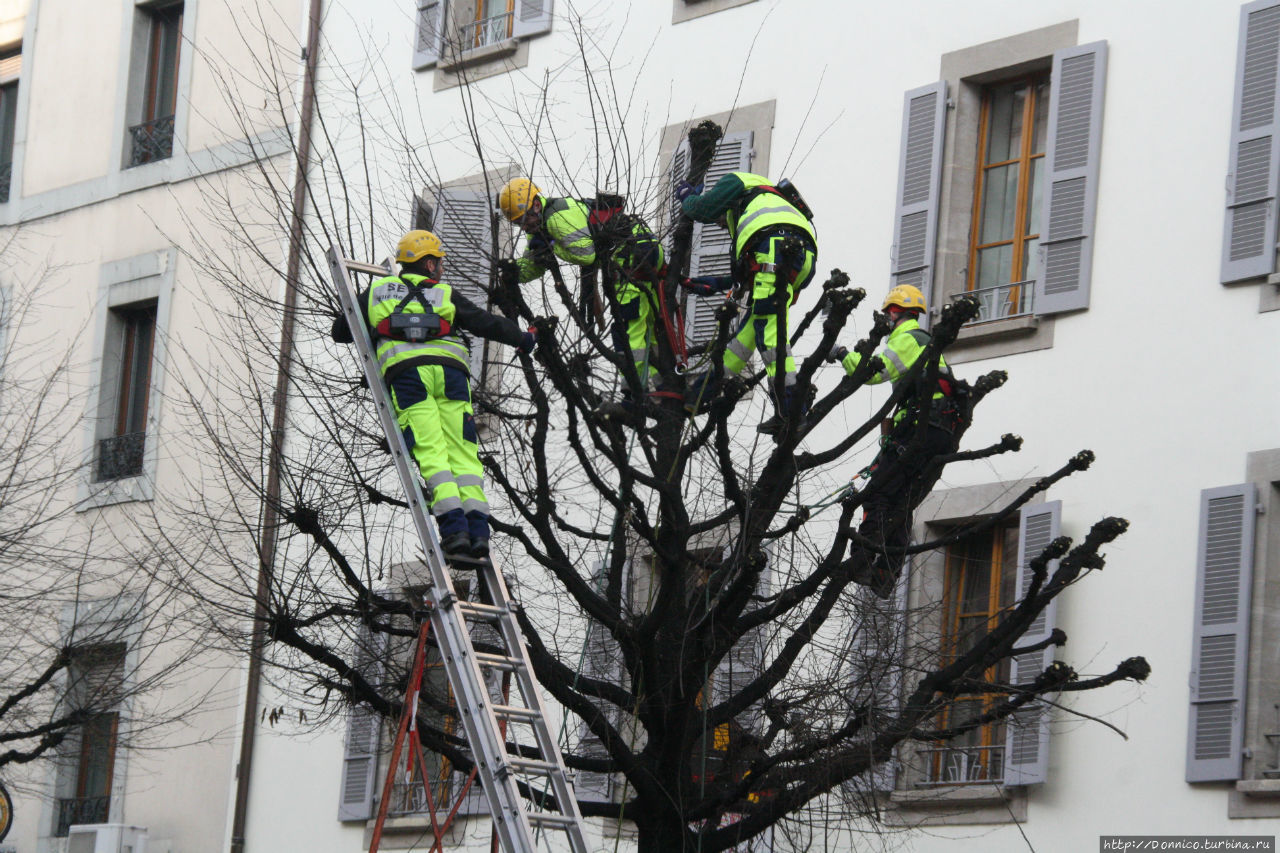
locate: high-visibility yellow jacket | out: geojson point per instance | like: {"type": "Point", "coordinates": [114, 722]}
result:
{"type": "Point", "coordinates": [763, 211]}
{"type": "Point", "coordinates": [903, 348]}
{"type": "Point", "coordinates": [567, 222]}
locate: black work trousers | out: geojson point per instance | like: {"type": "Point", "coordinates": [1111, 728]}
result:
{"type": "Point", "coordinates": [899, 481]}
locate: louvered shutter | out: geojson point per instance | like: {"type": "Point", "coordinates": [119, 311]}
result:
{"type": "Point", "coordinates": [1026, 751]}
{"type": "Point", "coordinates": [711, 252]}
{"type": "Point", "coordinates": [465, 227]}
{"type": "Point", "coordinates": [429, 34]}
{"type": "Point", "coordinates": [745, 661]}
{"type": "Point", "coordinates": [364, 728]}
{"type": "Point", "coordinates": [1253, 176]}
{"type": "Point", "coordinates": [915, 219]}
{"type": "Point", "coordinates": [1220, 654]}
{"type": "Point", "coordinates": [531, 18]}
{"type": "Point", "coordinates": [1071, 178]}
{"type": "Point", "coordinates": [877, 653]}
{"type": "Point", "coordinates": [602, 659]}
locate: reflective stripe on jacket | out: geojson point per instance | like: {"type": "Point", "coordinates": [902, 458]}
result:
{"type": "Point", "coordinates": [766, 210]}
{"type": "Point", "coordinates": [385, 297]}
{"type": "Point", "coordinates": [567, 222]}
{"type": "Point", "coordinates": [903, 348]}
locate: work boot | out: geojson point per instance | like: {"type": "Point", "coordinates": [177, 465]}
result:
{"type": "Point", "coordinates": [699, 390]}
{"type": "Point", "coordinates": [456, 545]}
{"type": "Point", "coordinates": [627, 413]}
{"type": "Point", "coordinates": [478, 529]}
{"type": "Point", "coordinates": [773, 425]}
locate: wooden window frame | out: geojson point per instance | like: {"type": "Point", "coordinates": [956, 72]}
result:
{"type": "Point", "coordinates": [482, 13]}
{"type": "Point", "coordinates": [133, 318]}
{"type": "Point", "coordinates": [85, 756]}
{"type": "Point", "coordinates": [953, 587]}
{"type": "Point", "coordinates": [161, 18]}
{"type": "Point", "coordinates": [1017, 272]}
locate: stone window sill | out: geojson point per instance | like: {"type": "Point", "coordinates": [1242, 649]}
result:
{"type": "Point", "coordinates": [481, 55]}
{"type": "Point", "coordinates": [948, 796]}
{"type": "Point", "coordinates": [1012, 327]}
{"type": "Point", "coordinates": [957, 805]}
{"type": "Point", "coordinates": [1254, 798]}
{"type": "Point", "coordinates": [998, 338]}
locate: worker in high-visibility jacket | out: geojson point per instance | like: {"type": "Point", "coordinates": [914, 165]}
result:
{"type": "Point", "coordinates": [773, 251]}
{"type": "Point", "coordinates": [562, 227]}
{"type": "Point", "coordinates": [414, 319]}
{"type": "Point", "coordinates": [897, 482]}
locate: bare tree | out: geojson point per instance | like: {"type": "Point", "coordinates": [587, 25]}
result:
{"type": "Point", "coordinates": [685, 599]}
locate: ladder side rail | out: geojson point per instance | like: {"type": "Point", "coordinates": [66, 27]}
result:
{"type": "Point", "coordinates": [458, 655]}
{"type": "Point", "coordinates": [566, 800]}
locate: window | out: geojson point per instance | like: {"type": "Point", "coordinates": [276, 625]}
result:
{"type": "Point", "coordinates": [132, 334]}
{"type": "Point", "coordinates": [492, 24]}
{"type": "Point", "coordinates": [1006, 199]}
{"type": "Point", "coordinates": [686, 10]}
{"type": "Point", "coordinates": [88, 757]}
{"type": "Point", "coordinates": [1249, 242]}
{"type": "Point", "coordinates": [978, 586]}
{"type": "Point", "coordinates": [1234, 694]}
{"type": "Point", "coordinates": [370, 738]}
{"type": "Point", "coordinates": [10, 70]}
{"type": "Point", "coordinates": [152, 137]}
{"type": "Point", "coordinates": [997, 186]}
{"type": "Point", "coordinates": [485, 37]}
{"type": "Point", "coordinates": [954, 595]}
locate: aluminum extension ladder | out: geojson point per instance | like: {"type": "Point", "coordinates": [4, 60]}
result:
{"type": "Point", "coordinates": [551, 806]}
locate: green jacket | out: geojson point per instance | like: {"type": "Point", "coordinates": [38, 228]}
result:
{"type": "Point", "coordinates": [764, 210]}
{"type": "Point", "coordinates": [566, 222]}
{"type": "Point", "coordinates": [902, 349]}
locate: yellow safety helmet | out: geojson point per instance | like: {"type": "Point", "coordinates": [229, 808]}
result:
{"type": "Point", "coordinates": [418, 244]}
{"type": "Point", "coordinates": [906, 297]}
{"type": "Point", "coordinates": [516, 196]}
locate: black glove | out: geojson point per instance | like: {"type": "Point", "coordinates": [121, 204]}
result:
{"type": "Point", "coordinates": [509, 272]}
{"type": "Point", "coordinates": [837, 354]}
{"type": "Point", "coordinates": [529, 342]}
{"type": "Point", "coordinates": [341, 331]}
{"type": "Point", "coordinates": [539, 247]}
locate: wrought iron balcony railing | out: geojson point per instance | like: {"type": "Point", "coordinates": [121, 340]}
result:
{"type": "Point", "coordinates": [120, 456]}
{"type": "Point", "coordinates": [964, 765]}
{"type": "Point", "coordinates": [485, 31]}
{"type": "Point", "coordinates": [1002, 301]}
{"type": "Point", "coordinates": [152, 140]}
{"type": "Point", "coordinates": [74, 811]}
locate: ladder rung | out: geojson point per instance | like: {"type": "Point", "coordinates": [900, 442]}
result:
{"type": "Point", "coordinates": [499, 662]}
{"type": "Point", "coordinates": [481, 612]}
{"type": "Point", "coordinates": [531, 765]}
{"type": "Point", "coordinates": [551, 819]}
{"type": "Point", "coordinates": [359, 266]}
{"type": "Point", "coordinates": [515, 712]}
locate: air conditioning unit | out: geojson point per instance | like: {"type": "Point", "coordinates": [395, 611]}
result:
{"type": "Point", "coordinates": [106, 838]}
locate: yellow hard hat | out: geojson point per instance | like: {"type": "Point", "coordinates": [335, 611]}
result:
{"type": "Point", "coordinates": [516, 196]}
{"type": "Point", "coordinates": [418, 244]}
{"type": "Point", "coordinates": [906, 297]}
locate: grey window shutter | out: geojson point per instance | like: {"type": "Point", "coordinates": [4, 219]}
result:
{"type": "Point", "coordinates": [1071, 178]}
{"type": "Point", "coordinates": [712, 246]}
{"type": "Point", "coordinates": [429, 34]}
{"type": "Point", "coordinates": [877, 657]}
{"type": "Point", "coordinates": [1220, 655]}
{"type": "Point", "coordinates": [745, 661]}
{"type": "Point", "coordinates": [364, 729]}
{"type": "Point", "coordinates": [915, 219]}
{"type": "Point", "coordinates": [531, 18]}
{"type": "Point", "coordinates": [1026, 750]}
{"type": "Point", "coordinates": [601, 659]}
{"type": "Point", "coordinates": [1253, 177]}
{"type": "Point", "coordinates": [465, 227]}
